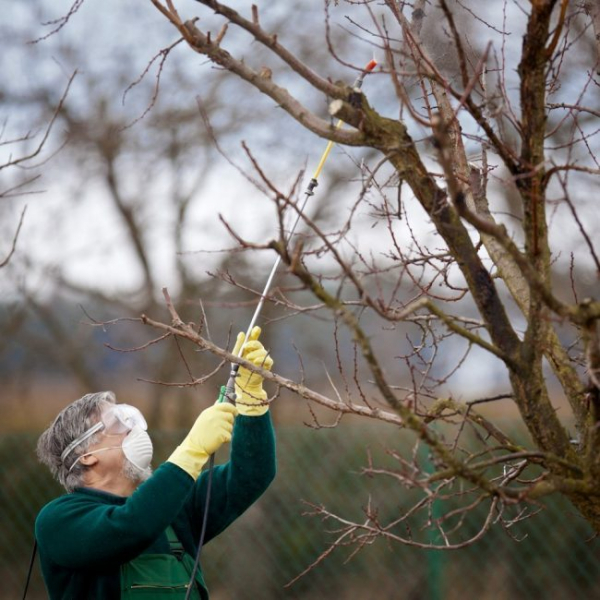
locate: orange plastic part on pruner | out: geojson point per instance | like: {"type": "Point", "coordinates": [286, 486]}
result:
{"type": "Point", "coordinates": [371, 65]}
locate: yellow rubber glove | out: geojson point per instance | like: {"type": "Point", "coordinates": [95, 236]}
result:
{"type": "Point", "coordinates": [211, 430]}
{"type": "Point", "coordinates": [250, 396]}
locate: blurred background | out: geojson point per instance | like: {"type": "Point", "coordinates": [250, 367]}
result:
{"type": "Point", "coordinates": [128, 195]}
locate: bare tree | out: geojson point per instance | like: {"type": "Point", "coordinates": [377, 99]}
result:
{"type": "Point", "coordinates": [503, 168]}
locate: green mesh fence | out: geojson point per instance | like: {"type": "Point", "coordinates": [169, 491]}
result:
{"type": "Point", "coordinates": [555, 557]}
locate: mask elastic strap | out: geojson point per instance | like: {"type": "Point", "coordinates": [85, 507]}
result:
{"type": "Point", "coordinates": [92, 452]}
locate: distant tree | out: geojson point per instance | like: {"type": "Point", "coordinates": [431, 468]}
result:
{"type": "Point", "coordinates": [127, 193]}
{"type": "Point", "coordinates": [19, 154]}
{"type": "Point", "coordinates": [145, 183]}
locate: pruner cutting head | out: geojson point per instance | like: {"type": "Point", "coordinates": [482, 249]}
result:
{"type": "Point", "coordinates": [370, 66]}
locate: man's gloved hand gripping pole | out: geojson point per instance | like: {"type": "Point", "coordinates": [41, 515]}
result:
{"type": "Point", "coordinates": [250, 396]}
{"type": "Point", "coordinates": [212, 429]}
{"type": "Point", "coordinates": [214, 426]}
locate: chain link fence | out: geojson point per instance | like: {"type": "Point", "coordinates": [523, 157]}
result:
{"type": "Point", "coordinates": [552, 555]}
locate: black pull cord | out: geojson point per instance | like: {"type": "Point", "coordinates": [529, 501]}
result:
{"type": "Point", "coordinates": [227, 394]}
{"type": "Point", "coordinates": [192, 584]}
{"type": "Point", "coordinates": [33, 553]}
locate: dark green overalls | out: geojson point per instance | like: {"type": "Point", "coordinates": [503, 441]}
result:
{"type": "Point", "coordinates": [162, 576]}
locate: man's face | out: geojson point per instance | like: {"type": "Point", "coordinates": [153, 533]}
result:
{"type": "Point", "coordinates": [107, 455]}
{"type": "Point", "coordinates": [123, 421]}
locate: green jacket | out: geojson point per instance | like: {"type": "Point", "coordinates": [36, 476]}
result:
{"type": "Point", "coordinates": [85, 536]}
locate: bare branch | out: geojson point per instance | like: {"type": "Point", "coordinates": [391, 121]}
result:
{"type": "Point", "coordinates": [18, 161]}
{"type": "Point", "coordinates": [15, 238]}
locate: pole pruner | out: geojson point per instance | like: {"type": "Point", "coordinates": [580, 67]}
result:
{"type": "Point", "coordinates": [227, 392]}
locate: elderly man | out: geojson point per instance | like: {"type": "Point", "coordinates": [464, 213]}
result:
{"type": "Point", "coordinates": [125, 532]}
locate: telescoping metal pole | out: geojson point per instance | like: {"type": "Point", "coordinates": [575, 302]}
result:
{"type": "Point", "coordinates": [227, 392]}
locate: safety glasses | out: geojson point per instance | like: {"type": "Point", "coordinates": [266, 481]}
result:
{"type": "Point", "coordinates": [118, 419]}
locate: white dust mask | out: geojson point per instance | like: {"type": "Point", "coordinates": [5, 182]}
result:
{"type": "Point", "coordinates": [137, 448]}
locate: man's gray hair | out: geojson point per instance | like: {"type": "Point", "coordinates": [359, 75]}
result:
{"type": "Point", "coordinates": [72, 422]}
